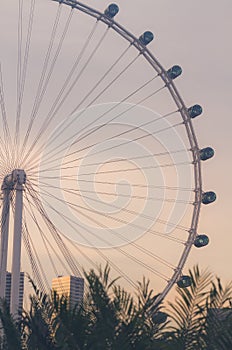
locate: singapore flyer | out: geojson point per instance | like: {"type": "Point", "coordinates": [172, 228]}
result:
{"type": "Point", "coordinates": [100, 163]}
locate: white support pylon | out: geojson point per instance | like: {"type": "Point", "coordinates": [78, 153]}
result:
{"type": "Point", "coordinates": [19, 178]}
{"type": "Point", "coordinates": [4, 238]}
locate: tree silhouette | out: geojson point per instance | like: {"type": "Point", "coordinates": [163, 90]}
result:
{"type": "Point", "coordinates": [110, 318]}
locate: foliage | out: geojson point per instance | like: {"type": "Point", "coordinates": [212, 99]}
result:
{"type": "Point", "coordinates": [196, 315]}
{"type": "Point", "coordinates": [110, 318]}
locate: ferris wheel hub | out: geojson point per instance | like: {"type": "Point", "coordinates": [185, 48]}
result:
{"type": "Point", "coordinates": [17, 177]}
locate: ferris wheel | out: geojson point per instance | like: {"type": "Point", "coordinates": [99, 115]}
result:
{"type": "Point", "coordinates": [99, 159]}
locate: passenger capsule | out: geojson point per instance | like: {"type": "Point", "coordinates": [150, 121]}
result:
{"type": "Point", "coordinates": [206, 153]}
{"type": "Point", "coordinates": [184, 282]}
{"type": "Point", "coordinates": [159, 317]}
{"type": "Point", "coordinates": [112, 10]}
{"type": "Point", "coordinates": [146, 38]}
{"type": "Point", "coordinates": [209, 197]}
{"type": "Point", "coordinates": [195, 111]}
{"type": "Point", "coordinates": [174, 72]}
{"type": "Point", "coordinates": [201, 241]}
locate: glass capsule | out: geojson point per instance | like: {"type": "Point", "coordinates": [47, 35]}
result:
{"type": "Point", "coordinates": [112, 10]}
{"type": "Point", "coordinates": [209, 197]}
{"type": "Point", "coordinates": [184, 282]}
{"type": "Point", "coordinates": [146, 38]}
{"type": "Point", "coordinates": [174, 72]}
{"type": "Point", "coordinates": [206, 153]}
{"type": "Point", "coordinates": [201, 241]}
{"type": "Point", "coordinates": [195, 111]}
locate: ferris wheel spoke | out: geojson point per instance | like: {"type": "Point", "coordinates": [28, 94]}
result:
{"type": "Point", "coordinates": [3, 111]}
{"type": "Point", "coordinates": [49, 246]}
{"type": "Point", "coordinates": [110, 84]}
{"type": "Point", "coordinates": [77, 208]}
{"type": "Point", "coordinates": [19, 76]}
{"type": "Point", "coordinates": [174, 188]}
{"type": "Point", "coordinates": [132, 140]}
{"type": "Point", "coordinates": [40, 271]}
{"type": "Point", "coordinates": [97, 84]}
{"type": "Point", "coordinates": [51, 114]}
{"type": "Point", "coordinates": [45, 240]}
{"type": "Point", "coordinates": [30, 249]}
{"type": "Point", "coordinates": [54, 252]}
{"type": "Point", "coordinates": [36, 274]}
{"type": "Point", "coordinates": [159, 199]}
{"type": "Point", "coordinates": [112, 108]}
{"type": "Point", "coordinates": [51, 168]}
{"type": "Point", "coordinates": [48, 121]}
{"type": "Point", "coordinates": [132, 169]}
{"type": "Point", "coordinates": [59, 101]}
{"type": "Point", "coordinates": [105, 258]}
{"type": "Point", "coordinates": [52, 228]}
{"type": "Point", "coordinates": [109, 70]}
{"type": "Point", "coordinates": [50, 157]}
{"type": "Point", "coordinates": [22, 69]}
{"type": "Point", "coordinates": [123, 143]}
{"type": "Point", "coordinates": [4, 144]}
{"type": "Point", "coordinates": [120, 114]}
{"type": "Point", "coordinates": [73, 161]}
{"type": "Point", "coordinates": [45, 81]}
{"type": "Point", "coordinates": [70, 178]}
{"type": "Point", "coordinates": [43, 74]}
{"type": "Point", "coordinates": [141, 263]}
{"type": "Point", "coordinates": [102, 182]}
{"type": "Point", "coordinates": [118, 160]}
{"type": "Point", "coordinates": [79, 193]}
{"type": "Point", "coordinates": [107, 87]}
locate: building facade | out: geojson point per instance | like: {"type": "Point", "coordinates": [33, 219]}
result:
{"type": "Point", "coordinates": [21, 290]}
{"type": "Point", "coordinates": [71, 287]}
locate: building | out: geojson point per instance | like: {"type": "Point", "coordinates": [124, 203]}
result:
{"type": "Point", "coordinates": [21, 290]}
{"type": "Point", "coordinates": [71, 287]}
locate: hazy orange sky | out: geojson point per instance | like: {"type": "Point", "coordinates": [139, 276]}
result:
{"type": "Point", "coordinates": [197, 36]}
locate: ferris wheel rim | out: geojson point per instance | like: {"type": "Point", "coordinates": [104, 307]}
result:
{"type": "Point", "coordinates": [182, 109]}
{"type": "Point", "coordinates": [195, 150]}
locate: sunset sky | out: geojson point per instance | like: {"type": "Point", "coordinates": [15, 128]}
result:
{"type": "Point", "coordinates": [197, 35]}
{"type": "Point", "coordinates": [193, 34]}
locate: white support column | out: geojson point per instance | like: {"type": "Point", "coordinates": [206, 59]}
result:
{"type": "Point", "coordinates": [4, 238]}
{"type": "Point", "coordinates": [19, 178]}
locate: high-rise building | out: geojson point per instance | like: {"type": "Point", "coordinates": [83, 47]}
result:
{"type": "Point", "coordinates": [71, 287]}
{"type": "Point", "coordinates": [21, 290]}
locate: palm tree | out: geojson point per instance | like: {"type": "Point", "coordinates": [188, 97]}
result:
{"type": "Point", "coordinates": [10, 330]}
{"type": "Point", "coordinates": [119, 320]}
{"type": "Point", "coordinates": [110, 318]}
{"type": "Point", "coordinates": [38, 323]}
{"type": "Point", "coordinates": [196, 326]}
{"type": "Point", "coordinates": [218, 317]}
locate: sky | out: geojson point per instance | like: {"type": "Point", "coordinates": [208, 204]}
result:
{"type": "Point", "coordinates": [197, 36]}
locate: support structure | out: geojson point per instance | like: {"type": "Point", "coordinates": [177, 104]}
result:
{"type": "Point", "coordinates": [4, 238]}
{"type": "Point", "coordinates": [12, 183]}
